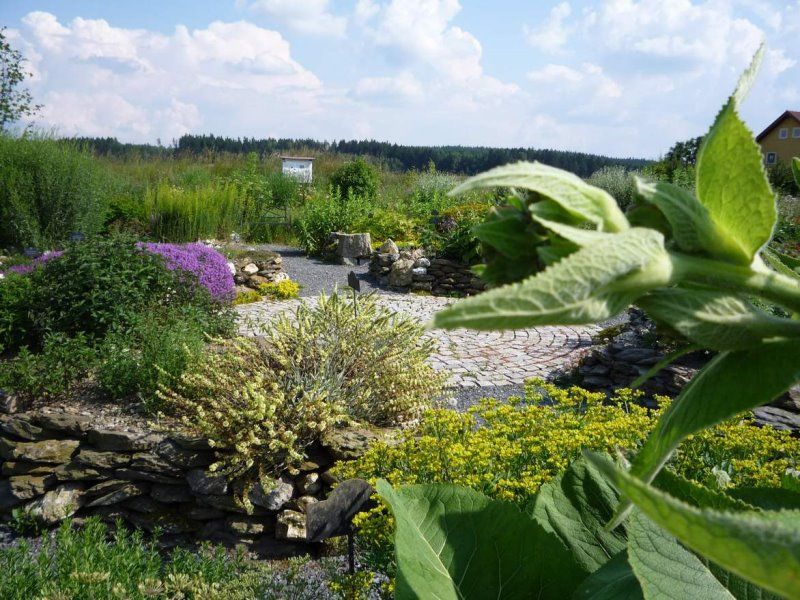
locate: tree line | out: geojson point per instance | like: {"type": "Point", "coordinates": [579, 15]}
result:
{"type": "Point", "coordinates": [467, 160]}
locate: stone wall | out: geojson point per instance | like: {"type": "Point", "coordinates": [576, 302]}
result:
{"type": "Point", "coordinates": [411, 270]}
{"type": "Point", "coordinates": [249, 272]}
{"type": "Point", "coordinates": [57, 464]}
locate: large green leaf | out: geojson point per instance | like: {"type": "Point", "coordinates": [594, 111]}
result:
{"type": "Point", "coordinates": [732, 183]}
{"type": "Point", "coordinates": [664, 568]}
{"type": "Point", "coordinates": [575, 196]}
{"type": "Point", "coordinates": [576, 235]}
{"type": "Point", "coordinates": [506, 230]}
{"type": "Point", "coordinates": [695, 494]}
{"type": "Point", "coordinates": [575, 507]}
{"type": "Point", "coordinates": [689, 220]}
{"type": "Point", "coordinates": [731, 383]}
{"type": "Point", "coordinates": [587, 286]}
{"type": "Point", "coordinates": [615, 580]}
{"type": "Point", "coordinates": [768, 498]}
{"type": "Point", "coordinates": [455, 543]}
{"type": "Point", "coordinates": [715, 320]}
{"type": "Point", "coordinates": [761, 547]}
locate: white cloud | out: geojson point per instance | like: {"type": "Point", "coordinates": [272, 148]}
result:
{"type": "Point", "coordinates": [589, 81]}
{"type": "Point", "coordinates": [403, 87]}
{"type": "Point", "coordinates": [141, 84]}
{"type": "Point", "coordinates": [306, 16]}
{"type": "Point", "coordinates": [553, 33]}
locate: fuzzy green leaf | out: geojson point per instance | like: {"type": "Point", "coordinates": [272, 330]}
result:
{"type": "Point", "coordinates": [454, 543]}
{"type": "Point", "coordinates": [664, 568]}
{"type": "Point", "coordinates": [507, 232]}
{"type": "Point", "coordinates": [796, 170]}
{"type": "Point", "coordinates": [615, 580]}
{"type": "Point", "coordinates": [695, 494]}
{"type": "Point", "coordinates": [715, 320]}
{"type": "Point", "coordinates": [731, 383]}
{"type": "Point", "coordinates": [732, 183]}
{"type": "Point", "coordinates": [576, 235]}
{"type": "Point", "coordinates": [575, 196]}
{"type": "Point", "coordinates": [757, 546]}
{"type": "Point", "coordinates": [587, 286]}
{"type": "Point", "coordinates": [689, 220]}
{"type": "Point", "coordinates": [768, 498]}
{"type": "Point", "coordinates": [575, 507]}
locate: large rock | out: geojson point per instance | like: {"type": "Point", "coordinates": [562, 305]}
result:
{"type": "Point", "coordinates": [353, 246]}
{"type": "Point", "coordinates": [9, 403]}
{"type": "Point", "coordinates": [102, 460]}
{"type": "Point", "coordinates": [75, 471]}
{"type": "Point", "coordinates": [170, 494]}
{"type": "Point", "coordinates": [291, 525]}
{"type": "Point", "coordinates": [272, 499]}
{"type": "Point", "coordinates": [21, 427]}
{"type": "Point", "coordinates": [64, 422]}
{"type": "Point", "coordinates": [122, 441]}
{"type": "Point", "coordinates": [351, 443]}
{"type": "Point", "coordinates": [16, 490]}
{"type": "Point", "coordinates": [46, 451]}
{"type": "Point", "coordinates": [389, 247]}
{"type": "Point", "coordinates": [203, 482]}
{"type": "Point", "coordinates": [24, 468]}
{"type": "Point", "coordinates": [183, 458]}
{"type": "Point", "coordinates": [332, 517]}
{"type": "Point", "coordinates": [402, 273]}
{"type": "Point", "coordinates": [60, 503]}
{"type": "Point", "coordinates": [114, 492]}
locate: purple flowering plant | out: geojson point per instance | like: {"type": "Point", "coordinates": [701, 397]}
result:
{"type": "Point", "coordinates": [27, 268]}
{"type": "Point", "coordinates": [209, 266]}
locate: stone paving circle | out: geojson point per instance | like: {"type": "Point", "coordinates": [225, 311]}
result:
{"type": "Point", "coordinates": [473, 358]}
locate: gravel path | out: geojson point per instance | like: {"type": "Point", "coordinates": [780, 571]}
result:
{"type": "Point", "coordinates": [315, 275]}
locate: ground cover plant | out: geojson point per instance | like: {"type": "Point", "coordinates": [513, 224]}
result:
{"type": "Point", "coordinates": [690, 263]}
{"type": "Point", "coordinates": [508, 451]}
{"type": "Point", "coordinates": [320, 367]}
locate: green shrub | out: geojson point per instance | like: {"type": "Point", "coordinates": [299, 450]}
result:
{"type": "Point", "coordinates": [617, 181]}
{"type": "Point", "coordinates": [61, 362]}
{"type": "Point", "coordinates": [48, 189]}
{"type": "Point", "coordinates": [151, 351]}
{"type": "Point", "coordinates": [269, 399]}
{"type": "Point", "coordinates": [383, 224]}
{"type": "Point", "coordinates": [451, 233]}
{"type": "Point", "coordinates": [104, 283]}
{"type": "Point", "coordinates": [16, 319]}
{"type": "Point", "coordinates": [246, 297]}
{"type": "Point", "coordinates": [84, 563]}
{"type": "Point", "coordinates": [324, 214]}
{"type": "Point", "coordinates": [358, 178]}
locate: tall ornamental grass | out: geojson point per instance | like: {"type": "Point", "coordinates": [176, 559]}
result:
{"type": "Point", "coordinates": [179, 214]}
{"type": "Point", "coordinates": [48, 189]}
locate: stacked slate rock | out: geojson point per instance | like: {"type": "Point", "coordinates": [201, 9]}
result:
{"type": "Point", "coordinates": [411, 270]}
{"type": "Point", "coordinates": [263, 267]}
{"type": "Point", "coordinates": [58, 464]}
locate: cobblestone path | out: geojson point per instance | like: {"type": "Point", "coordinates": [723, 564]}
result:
{"type": "Point", "coordinates": [475, 359]}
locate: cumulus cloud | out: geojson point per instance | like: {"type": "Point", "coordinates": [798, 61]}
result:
{"type": "Point", "coordinates": [403, 87]}
{"type": "Point", "coordinates": [553, 33]}
{"type": "Point", "coordinates": [141, 84]}
{"type": "Point", "coordinates": [308, 16]}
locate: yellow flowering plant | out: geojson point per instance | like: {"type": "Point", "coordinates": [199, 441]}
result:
{"type": "Point", "coordinates": [281, 290]}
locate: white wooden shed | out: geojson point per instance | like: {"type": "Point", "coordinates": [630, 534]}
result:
{"type": "Point", "coordinates": [299, 167]}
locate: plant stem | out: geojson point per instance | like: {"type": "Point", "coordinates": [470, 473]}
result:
{"type": "Point", "coordinates": [769, 285]}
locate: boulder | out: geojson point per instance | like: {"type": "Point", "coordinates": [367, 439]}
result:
{"type": "Point", "coordinates": [21, 427]}
{"type": "Point", "coordinates": [273, 499]}
{"type": "Point", "coordinates": [353, 245]}
{"type": "Point", "coordinates": [422, 263]}
{"type": "Point", "coordinates": [350, 443]}
{"type": "Point", "coordinates": [291, 525]}
{"type": "Point", "coordinates": [17, 489]}
{"type": "Point", "coordinates": [332, 517]}
{"type": "Point", "coordinates": [250, 268]}
{"type": "Point", "coordinates": [388, 247]}
{"type": "Point", "coordinates": [114, 492]}
{"type": "Point", "coordinates": [122, 441]}
{"type": "Point", "coordinates": [186, 459]}
{"type": "Point", "coordinates": [75, 471]}
{"type": "Point", "coordinates": [57, 504]}
{"type": "Point", "coordinates": [46, 451]}
{"type": "Point", "coordinates": [203, 482]}
{"type": "Point", "coordinates": [9, 403]}
{"type": "Point", "coordinates": [402, 273]}
{"type": "Point", "coordinates": [309, 484]}
{"type": "Point", "coordinates": [65, 422]}
{"type": "Point", "coordinates": [102, 460]}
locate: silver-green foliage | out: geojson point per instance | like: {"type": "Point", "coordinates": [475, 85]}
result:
{"type": "Point", "coordinates": [693, 262]}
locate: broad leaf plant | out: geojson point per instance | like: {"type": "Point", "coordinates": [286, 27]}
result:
{"type": "Point", "coordinates": [563, 253]}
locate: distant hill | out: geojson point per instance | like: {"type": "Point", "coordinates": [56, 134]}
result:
{"type": "Point", "coordinates": [466, 160]}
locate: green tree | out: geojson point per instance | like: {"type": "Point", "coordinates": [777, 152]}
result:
{"type": "Point", "coordinates": [358, 177]}
{"type": "Point", "coordinates": [15, 101]}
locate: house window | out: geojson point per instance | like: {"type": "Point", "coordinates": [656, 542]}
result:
{"type": "Point", "coordinates": [796, 132]}
{"type": "Point", "coordinates": [772, 158]}
{"type": "Point", "coordinates": [783, 133]}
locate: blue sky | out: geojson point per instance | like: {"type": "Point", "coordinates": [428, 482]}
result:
{"type": "Point", "coordinates": [620, 77]}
